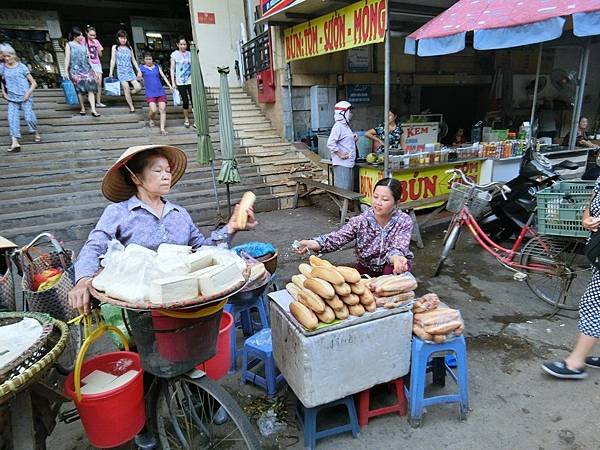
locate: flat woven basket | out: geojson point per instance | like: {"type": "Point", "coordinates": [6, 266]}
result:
{"type": "Point", "coordinates": [190, 303]}
{"type": "Point", "coordinates": [17, 375]}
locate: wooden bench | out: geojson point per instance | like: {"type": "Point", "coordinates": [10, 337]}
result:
{"type": "Point", "coordinates": [341, 197]}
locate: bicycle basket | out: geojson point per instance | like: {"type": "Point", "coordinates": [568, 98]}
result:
{"type": "Point", "coordinates": [459, 193]}
{"type": "Point", "coordinates": [171, 346]}
{"type": "Point", "coordinates": [560, 208]}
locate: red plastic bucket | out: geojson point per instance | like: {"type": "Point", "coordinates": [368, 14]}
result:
{"type": "Point", "coordinates": [218, 366]}
{"type": "Point", "coordinates": [114, 417]}
{"type": "Point", "coordinates": [177, 338]}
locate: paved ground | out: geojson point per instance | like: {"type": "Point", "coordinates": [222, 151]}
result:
{"type": "Point", "coordinates": [513, 405]}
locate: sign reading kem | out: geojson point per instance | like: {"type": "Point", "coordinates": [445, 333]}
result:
{"type": "Point", "coordinates": [206, 18]}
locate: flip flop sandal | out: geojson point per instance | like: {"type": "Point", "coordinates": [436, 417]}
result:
{"type": "Point", "coordinates": [593, 362]}
{"type": "Point", "coordinates": [37, 139]}
{"type": "Point", "coordinates": [16, 149]}
{"type": "Point", "coordinates": [96, 114]}
{"type": "Point", "coordinates": [82, 113]}
{"type": "Point", "coordinates": [186, 124]}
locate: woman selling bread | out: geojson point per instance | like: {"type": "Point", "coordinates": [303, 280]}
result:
{"type": "Point", "coordinates": [140, 214]}
{"type": "Point", "coordinates": [382, 234]}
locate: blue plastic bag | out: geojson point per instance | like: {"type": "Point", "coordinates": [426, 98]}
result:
{"type": "Point", "coordinates": [70, 93]}
{"type": "Point", "coordinates": [112, 87]}
{"type": "Point", "coordinates": [255, 249]}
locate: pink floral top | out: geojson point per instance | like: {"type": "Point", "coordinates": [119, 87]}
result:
{"type": "Point", "coordinates": [374, 245]}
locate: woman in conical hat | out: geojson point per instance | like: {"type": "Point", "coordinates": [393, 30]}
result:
{"type": "Point", "coordinates": [137, 184]}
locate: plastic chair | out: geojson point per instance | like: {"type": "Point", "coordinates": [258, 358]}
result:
{"type": "Point", "coordinates": [308, 419]}
{"type": "Point", "coordinates": [421, 354]}
{"type": "Point", "coordinates": [242, 317]}
{"type": "Point", "coordinates": [257, 349]}
{"type": "Point", "coordinates": [364, 399]}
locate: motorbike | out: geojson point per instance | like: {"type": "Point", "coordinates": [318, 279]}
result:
{"type": "Point", "coordinates": [509, 213]}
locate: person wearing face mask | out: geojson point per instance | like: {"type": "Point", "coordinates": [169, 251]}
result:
{"type": "Point", "coordinates": [382, 234]}
{"type": "Point", "coordinates": [137, 184]}
{"type": "Point", "coordinates": [342, 145]}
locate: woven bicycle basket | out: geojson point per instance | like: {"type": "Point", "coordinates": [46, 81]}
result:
{"type": "Point", "coordinates": [24, 369]}
{"type": "Point", "coordinates": [53, 301]}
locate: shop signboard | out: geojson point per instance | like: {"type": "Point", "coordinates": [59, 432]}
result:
{"type": "Point", "coordinates": [422, 183]}
{"type": "Point", "coordinates": [268, 7]}
{"type": "Point", "coordinates": [358, 93]}
{"type": "Point", "coordinates": [358, 59]}
{"type": "Point", "coordinates": [417, 135]}
{"type": "Point", "coordinates": [20, 19]}
{"type": "Point", "coordinates": [353, 26]}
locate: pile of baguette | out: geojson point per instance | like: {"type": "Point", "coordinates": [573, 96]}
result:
{"type": "Point", "coordinates": [391, 291]}
{"type": "Point", "coordinates": [435, 322]}
{"type": "Point", "coordinates": [323, 293]}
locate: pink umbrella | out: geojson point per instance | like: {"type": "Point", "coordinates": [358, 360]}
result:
{"type": "Point", "coordinates": [502, 24]}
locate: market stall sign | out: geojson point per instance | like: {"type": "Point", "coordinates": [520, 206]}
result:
{"type": "Point", "coordinates": [355, 25]}
{"type": "Point", "coordinates": [206, 18]}
{"type": "Point", "coordinates": [420, 184]}
{"type": "Point", "coordinates": [358, 93]}
{"type": "Point", "coordinates": [269, 7]}
{"type": "Point", "coordinates": [419, 134]}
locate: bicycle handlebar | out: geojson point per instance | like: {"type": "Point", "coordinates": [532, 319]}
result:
{"type": "Point", "coordinates": [469, 182]}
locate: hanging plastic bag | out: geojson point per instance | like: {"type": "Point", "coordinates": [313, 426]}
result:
{"type": "Point", "coordinates": [176, 98]}
{"type": "Point", "coordinates": [112, 87]}
{"type": "Point", "coordinates": [70, 93]}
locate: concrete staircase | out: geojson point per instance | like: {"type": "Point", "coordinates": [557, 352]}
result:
{"type": "Point", "coordinates": [55, 185]}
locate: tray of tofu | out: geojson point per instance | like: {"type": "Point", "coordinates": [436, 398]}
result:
{"type": "Point", "coordinates": [174, 277]}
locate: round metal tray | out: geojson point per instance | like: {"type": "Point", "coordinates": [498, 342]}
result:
{"type": "Point", "coordinates": [183, 304]}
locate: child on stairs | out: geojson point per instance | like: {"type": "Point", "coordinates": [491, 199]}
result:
{"type": "Point", "coordinates": [155, 93]}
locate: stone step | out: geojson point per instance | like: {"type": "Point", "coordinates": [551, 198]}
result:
{"type": "Point", "coordinates": [79, 174]}
{"type": "Point", "coordinates": [78, 229]}
{"type": "Point", "coordinates": [87, 192]}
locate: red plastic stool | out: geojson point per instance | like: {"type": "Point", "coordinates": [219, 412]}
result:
{"type": "Point", "coordinates": [364, 397]}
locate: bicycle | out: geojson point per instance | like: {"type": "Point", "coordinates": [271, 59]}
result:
{"type": "Point", "coordinates": [553, 267]}
{"type": "Point", "coordinates": [187, 409]}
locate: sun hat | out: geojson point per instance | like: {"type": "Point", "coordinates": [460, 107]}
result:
{"type": "Point", "coordinates": [116, 188]}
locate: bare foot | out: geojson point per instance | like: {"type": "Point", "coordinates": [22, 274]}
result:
{"type": "Point", "coordinates": [150, 122]}
{"type": "Point", "coordinates": [164, 132]}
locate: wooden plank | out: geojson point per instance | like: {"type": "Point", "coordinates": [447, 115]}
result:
{"type": "Point", "coordinates": [325, 187]}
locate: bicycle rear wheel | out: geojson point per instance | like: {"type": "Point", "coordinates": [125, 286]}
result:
{"type": "Point", "coordinates": [568, 270]}
{"type": "Point", "coordinates": [187, 417]}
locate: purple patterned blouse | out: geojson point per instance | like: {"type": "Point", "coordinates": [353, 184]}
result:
{"type": "Point", "coordinates": [134, 222]}
{"type": "Point", "coordinates": [374, 245]}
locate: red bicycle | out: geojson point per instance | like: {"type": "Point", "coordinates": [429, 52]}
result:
{"type": "Point", "coordinates": [553, 267]}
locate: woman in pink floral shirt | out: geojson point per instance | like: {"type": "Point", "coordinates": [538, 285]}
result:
{"type": "Point", "coordinates": [382, 234]}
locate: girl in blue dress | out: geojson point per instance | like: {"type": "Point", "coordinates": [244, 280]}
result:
{"type": "Point", "coordinates": [122, 56]}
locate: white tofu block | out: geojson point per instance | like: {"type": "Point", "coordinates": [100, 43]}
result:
{"type": "Point", "coordinates": [223, 277]}
{"type": "Point", "coordinates": [93, 388]}
{"type": "Point", "coordinates": [169, 249]}
{"type": "Point", "coordinates": [172, 289]}
{"type": "Point", "coordinates": [98, 377]}
{"type": "Point", "coordinates": [206, 270]}
{"type": "Point", "coordinates": [121, 380]}
{"type": "Point", "coordinates": [198, 261]}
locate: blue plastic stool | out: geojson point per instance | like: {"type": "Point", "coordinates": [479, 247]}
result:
{"type": "Point", "coordinates": [241, 316]}
{"type": "Point", "coordinates": [421, 354]}
{"type": "Point", "coordinates": [308, 419]}
{"type": "Point", "coordinates": [256, 349]}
